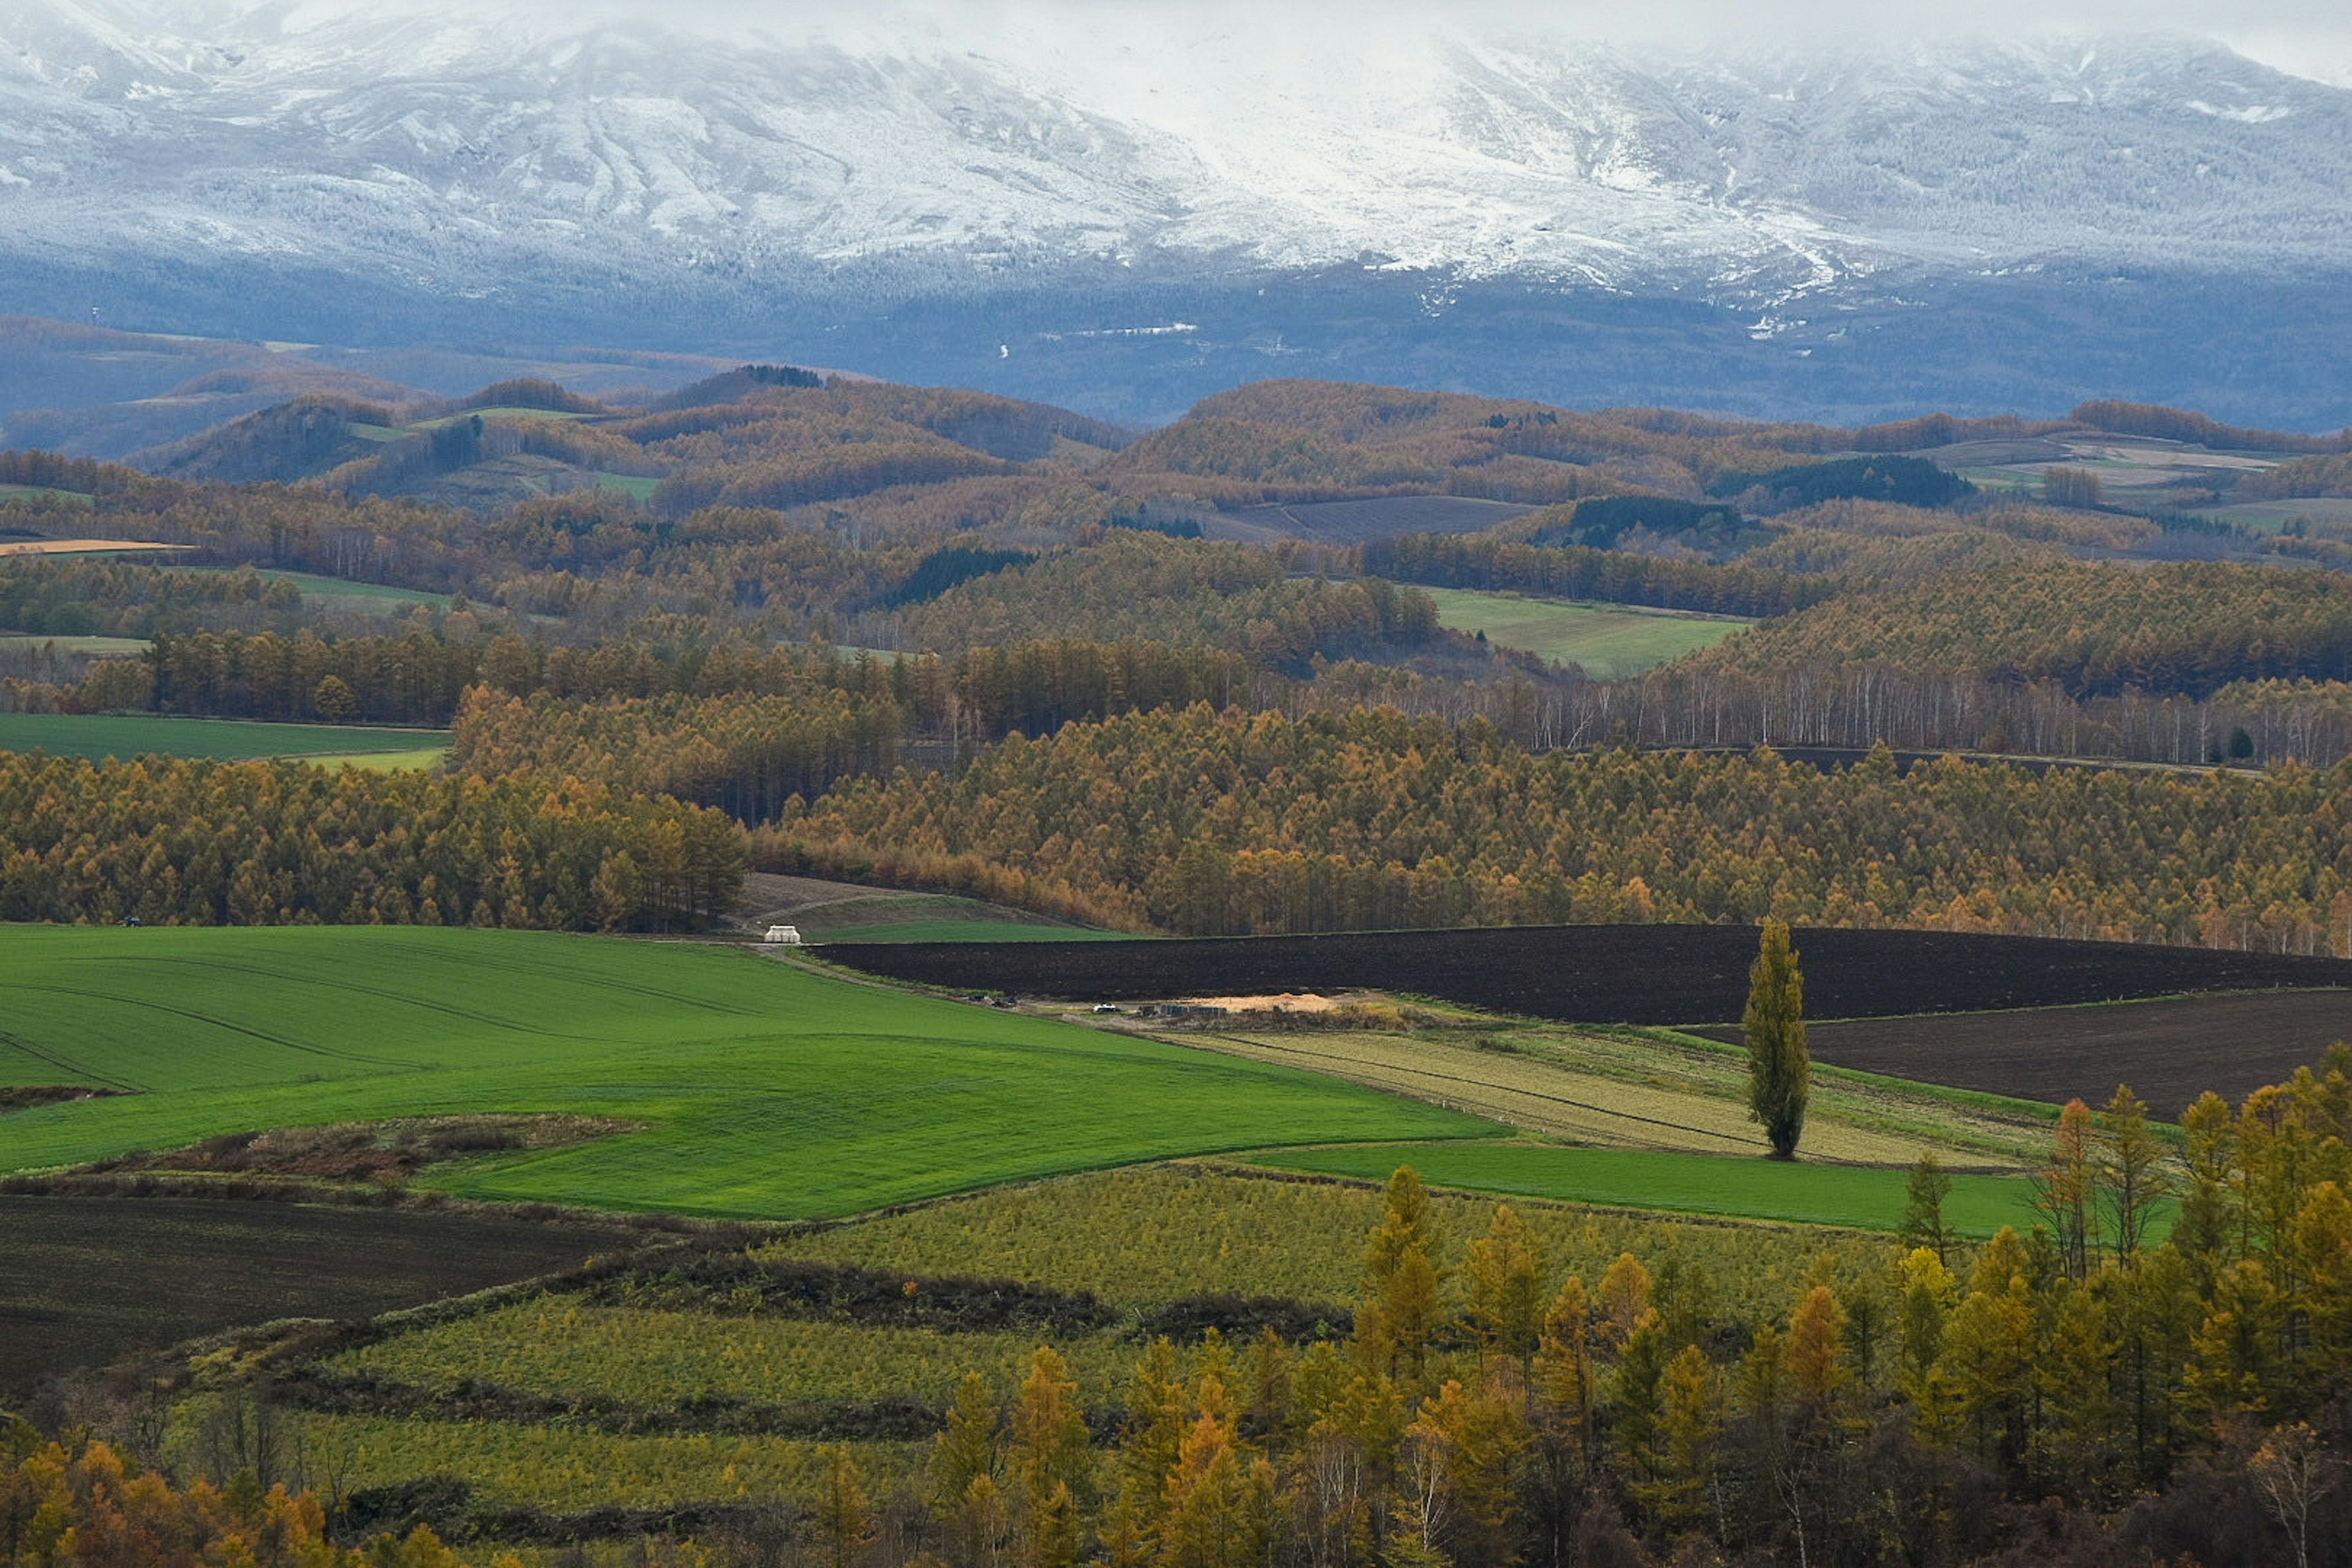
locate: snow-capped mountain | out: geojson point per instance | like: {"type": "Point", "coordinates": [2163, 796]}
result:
{"type": "Point", "coordinates": [372, 160]}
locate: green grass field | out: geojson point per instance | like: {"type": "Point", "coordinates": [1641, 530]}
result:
{"type": "Point", "coordinates": [763, 1090]}
{"type": "Point", "coordinates": [640, 487]}
{"type": "Point", "coordinates": [126, 735]}
{"type": "Point", "coordinates": [84, 644]}
{"type": "Point", "coordinates": [314, 586]}
{"type": "Point", "coordinates": [1733, 1186]}
{"type": "Point", "coordinates": [42, 492]}
{"type": "Point", "coordinates": [1610, 641]}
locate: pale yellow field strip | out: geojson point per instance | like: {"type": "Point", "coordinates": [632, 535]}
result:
{"type": "Point", "coordinates": [1554, 1102]}
{"type": "Point", "coordinates": [79, 546]}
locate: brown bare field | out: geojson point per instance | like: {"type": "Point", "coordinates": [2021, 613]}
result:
{"type": "Point", "coordinates": [90, 1280]}
{"type": "Point", "coordinates": [2169, 1051]}
{"type": "Point", "coordinates": [1670, 974]}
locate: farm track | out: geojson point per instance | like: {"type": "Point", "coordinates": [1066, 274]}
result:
{"type": "Point", "coordinates": [1654, 974]}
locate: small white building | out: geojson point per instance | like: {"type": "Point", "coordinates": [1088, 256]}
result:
{"type": "Point", "coordinates": [783, 936]}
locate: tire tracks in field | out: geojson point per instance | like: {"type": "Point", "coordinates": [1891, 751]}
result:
{"type": "Point", "coordinates": [261, 1035]}
{"type": "Point", "coordinates": [605, 982]}
{"type": "Point", "coordinates": [1239, 1043]}
{"type": "Point", "coordinates": [65, 1064]}
{"type": "Point", "coordinates": [427, 1005]}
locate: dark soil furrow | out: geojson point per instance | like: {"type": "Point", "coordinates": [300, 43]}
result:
{"type": "Point", "coordinates": [1606, 974]}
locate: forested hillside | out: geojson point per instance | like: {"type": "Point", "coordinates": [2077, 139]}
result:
{"type": "Point", "coordinates": [1000, 569]}
{"type": "Point", "coordinates": [1207, 822]}
{"type": "Point", "coordinates": [2092, 628]}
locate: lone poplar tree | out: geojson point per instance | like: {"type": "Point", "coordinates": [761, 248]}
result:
{"type": "Point", "coordinates": [1780, 1068]}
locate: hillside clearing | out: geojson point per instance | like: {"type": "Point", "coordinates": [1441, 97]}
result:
{"type": "Point", "coordinates": [1609, 641]}
{"type": "Point", "coordinates": [127, 735]}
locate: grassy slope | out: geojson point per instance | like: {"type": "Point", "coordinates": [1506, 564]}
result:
{"type": "Point", "coordinates": [764, 1090]}
{"type": "Point", "coordinates": [136, 734]}
{"type": "Point", "coordinates": [1608, 640]}
{"type": "Point", "coordinates": [1686, 1184]}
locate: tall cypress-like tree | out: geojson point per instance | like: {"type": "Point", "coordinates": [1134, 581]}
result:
{"type": "Point", "coordinates": [1780, 1068]}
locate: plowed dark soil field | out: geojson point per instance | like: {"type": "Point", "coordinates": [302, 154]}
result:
{"type": "Point", "coordinates": [1606, 974]}
{"type": "Point", "coordinates": [2169, 1051]}
{"type": "Point", "coordinates": [89, 1279]}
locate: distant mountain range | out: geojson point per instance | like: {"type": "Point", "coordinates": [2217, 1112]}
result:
{"type": "Point", "coordinates": [1125, 223]}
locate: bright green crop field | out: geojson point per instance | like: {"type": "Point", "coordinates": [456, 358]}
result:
{"type": "Point", "coordinates": [1610, 641]}
{"type": "Point", "coordinates": [1856, 1197]}
{"type": "Point", "coordinates": [127, 735]}
{"type": "Point", "coordinates": [761, 1089]}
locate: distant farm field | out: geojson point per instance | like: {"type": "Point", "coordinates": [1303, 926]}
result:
{"type": "Point", "coordinates": [1670, 974]}
{"type": "Point", "coordinates": [2169, 1051]}
{"type": "Point", "coordinates": [1746, 1188]}
{"type": "Point", "coordinates": [126, 735]}
{"type": "Point", "coordinates": [763, 1090]}
{"type": "Point", "coordinates": [315, 586]}
{"type": "Point", "coordinates": [84, 546]}
{"type": "Point", "coordinates": [92, 1279]}
{"type": "Point", "coordinates": [96, 646]}
{"type": "Point", "coordinates": [1610, 641]}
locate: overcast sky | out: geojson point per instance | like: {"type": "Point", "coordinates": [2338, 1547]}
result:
{"type": "Point", "coordinates": [2309, 37]}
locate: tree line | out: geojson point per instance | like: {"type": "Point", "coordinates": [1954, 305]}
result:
{"type": "Point", "coordinates": [2093, 1391]}
{"type": "Point", "coordinates": [167, 841]}
{"type": "Point", "coordinates": [1210, 823]}
{"type": "Point", "coordinates": [2095, 628]}
{"type": "Point", "coordinates": [80, 1506]}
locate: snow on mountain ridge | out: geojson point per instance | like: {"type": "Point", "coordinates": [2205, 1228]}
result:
{"type": "Point", "coordinates": [459, 151]}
